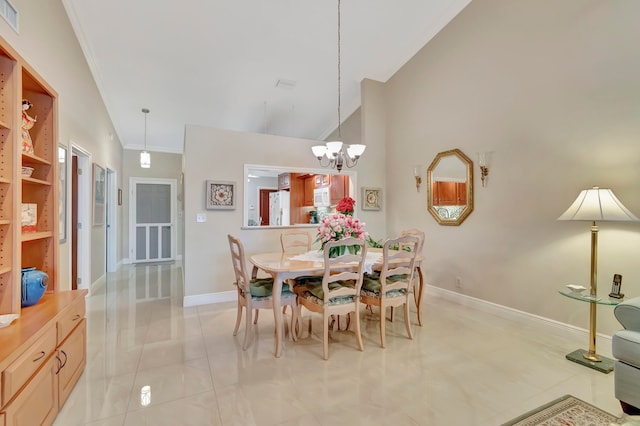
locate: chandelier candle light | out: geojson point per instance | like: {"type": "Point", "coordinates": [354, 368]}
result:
{"type": "Point", "coordinates": [337, 153]}
{"type": "Point", "coordinates": [145, 157]}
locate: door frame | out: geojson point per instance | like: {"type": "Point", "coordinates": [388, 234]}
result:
{"type": "Point", "coordinates": [112, 221]}
{"type": "Point", "coordinates": [133, 181]}
{"type": "Point", "coordinates": [84, 215]}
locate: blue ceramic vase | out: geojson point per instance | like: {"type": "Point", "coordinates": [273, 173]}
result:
{"type": "Point", "coordinates": [34, 283]}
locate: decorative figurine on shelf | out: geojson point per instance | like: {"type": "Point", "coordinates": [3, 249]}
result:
{"type": "Point", "coordinates": [615, 287]}
{"type": "Point", "coordinates": [27, 124]}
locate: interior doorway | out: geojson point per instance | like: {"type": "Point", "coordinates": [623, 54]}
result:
{"type": "Point", "coordinates": [80, 218]}
{"type": "Point", "coordinates": [264, 206]}
{"type": "Point", "coordinates": [153, 211]}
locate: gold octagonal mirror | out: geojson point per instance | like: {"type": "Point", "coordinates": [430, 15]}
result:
{"type": "Point", "coordinates": [450, 187]}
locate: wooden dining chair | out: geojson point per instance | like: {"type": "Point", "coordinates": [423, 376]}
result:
{"type": "Point", "coordinates": [418, 275]}
{"type": "Point", "coordinates": [337, 291]}
{"type": "Point", "coordinates": [295, 241]}
{"type": "Point", "coordinates": [391, 285]}
{"type": "Point", "coordinates": [254, 293]}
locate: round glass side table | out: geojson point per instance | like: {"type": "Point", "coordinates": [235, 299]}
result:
{"type": "Point", "coordinates": [590, 358]}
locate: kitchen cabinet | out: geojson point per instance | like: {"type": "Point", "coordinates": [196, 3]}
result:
{"type": "Point", "coordinates": [284, 181]}
{"type": "Point", "coordinates": [338, 188]}
{"type": "Point", "coordinates": [322, 180]}
{"type": "Point", "coordinates": [449, 193]}
{"type": "Point", "coordinates": [309, 186]}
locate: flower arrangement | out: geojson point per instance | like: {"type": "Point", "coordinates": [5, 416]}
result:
{"type": "Point", "coordinates": [346, 206]}
{"type": "Point", "coordinates": [338, 226]}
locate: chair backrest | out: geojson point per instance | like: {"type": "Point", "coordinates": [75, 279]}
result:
{"type": "Point", "coordinates": [239, 266]}
{"type": "Point", "coordinates": [399, 264]}
{"type": "Point", "coordinates": [418, 233]}
{"type": "Point", "coordinates": [295, 241]}
{"type": "Point", "coordinates": [332, 274]}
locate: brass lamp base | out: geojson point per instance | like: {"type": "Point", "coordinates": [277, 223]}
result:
{"type": "Point", "coordinates": [597, 362]}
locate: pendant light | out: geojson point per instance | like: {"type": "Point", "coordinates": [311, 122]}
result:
{"type": "Point", "coordinates": [145, 157]}
{"type": "Point", "coordinates": [336, 152]}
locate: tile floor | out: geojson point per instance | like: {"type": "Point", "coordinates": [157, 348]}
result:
{"type": "Point", "coordinates": [152, 362]}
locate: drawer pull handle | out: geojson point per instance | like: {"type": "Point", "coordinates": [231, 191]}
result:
{"type": "Point", "coordinates": [39, 357]}
{"type": "Point", "coordinates": [76, 317]}
{"type": "Point", "coordinates": [65, 359]}
{"type": "Point", "coordinates": [59, 365]}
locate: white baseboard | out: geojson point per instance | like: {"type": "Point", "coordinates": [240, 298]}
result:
{"type": "Point", "coordinates": [127, 261]}
{"type": "Point", "coordinates": [511, 314]}
{"type": "Point", "coordinates": [208, 298]}
{"type": "Point", "coordinates": [505, 312]}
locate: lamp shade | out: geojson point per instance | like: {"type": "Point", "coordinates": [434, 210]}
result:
{"type": "Point", "coordinates": [598, 204]}
{"type": "Point", "coordinates": [319, 150]}
{"type": "Point", "coordinates": [145, 160]}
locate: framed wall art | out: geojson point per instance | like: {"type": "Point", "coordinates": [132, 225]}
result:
{"type": "Point", "coordinates": [221, 195]}
{"type": "Point", "coordinates": [99, 183]}
{"type": "Point", "coordinates": [371, 198]}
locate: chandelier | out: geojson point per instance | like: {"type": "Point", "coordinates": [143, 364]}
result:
{"type": "Point", "coordinates": [335, 154]}
{"type": "Point", "coordinates": [145, 157]}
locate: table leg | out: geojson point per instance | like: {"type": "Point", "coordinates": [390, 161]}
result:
{"type": "Point", "coordinates": [277, 312]}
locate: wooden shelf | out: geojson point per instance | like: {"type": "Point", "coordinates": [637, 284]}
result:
{"type": "Point", "coordinates": [4, 270]}
{"type": "Point", "coordinates": [33, 159]}
{"type": "Point", "coordinates": [4, 125]}
{"type": "Point", "coordinates": [33, 236]}
{"type": "Point", "coordinates": [5, 222]}
{"type": "Point", "coordinates": [34, 181]}
{"type": "Point", "coordinates": [3, 180]}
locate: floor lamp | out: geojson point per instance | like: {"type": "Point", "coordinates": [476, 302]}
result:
{"type": "Point", "coordinates": [595, 205]}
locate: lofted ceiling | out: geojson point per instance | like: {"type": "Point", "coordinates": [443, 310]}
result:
{"type": "Point", "coordinates": [249, 65]}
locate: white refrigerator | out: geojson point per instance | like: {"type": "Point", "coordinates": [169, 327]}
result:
{"type": "Point", "coordinates": [279, 208]}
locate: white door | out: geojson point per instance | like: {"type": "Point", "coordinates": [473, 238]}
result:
{"type": "Point", "coordinates": [153, 213]}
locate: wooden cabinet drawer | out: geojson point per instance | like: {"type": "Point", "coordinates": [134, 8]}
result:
{"type": "Point", "coordinates": [19, 372]}
{"type": "Point", "coordinates": [72, 354]}
{"type": "Point", "coordinates": [70, 319]}
{"type": "Point", "coordinates": [37, 404]}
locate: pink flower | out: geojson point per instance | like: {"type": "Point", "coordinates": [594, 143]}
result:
{"type": "Point", "coordinates": [338, 226]}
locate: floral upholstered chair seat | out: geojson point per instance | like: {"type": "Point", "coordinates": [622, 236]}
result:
{"type": "Point", "coordinates": [371, 285]}
{"type": "Point", "coordinates": [262, 289]}
{"type": "Point", "coordinates": [254, 293]}
{"type": "Point", "coordinates": [310, 287]}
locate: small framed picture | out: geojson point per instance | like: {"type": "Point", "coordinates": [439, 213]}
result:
{"type": "Point", "coordinates": [99, 182]}
{"type": "Point", "coordinates": [371, 198]}
{"type": "Point", "coordinates": [220, 195]}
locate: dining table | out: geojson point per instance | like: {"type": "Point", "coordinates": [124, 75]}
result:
{"type": "Point", "coordinates": [284, 266]}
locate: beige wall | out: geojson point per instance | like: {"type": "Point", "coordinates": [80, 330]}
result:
{"type": "Point", "coordinates": [47, 41]}
{"type": "Point", "coordinates": [221, 154]}
{"type": "Point", "coordinates": [163, 165]}
{"type": "Point", "coordinates": [552, 89]}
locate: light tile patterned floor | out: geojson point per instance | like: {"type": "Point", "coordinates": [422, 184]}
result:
{"type": "Point", "coordinates": [464, 366]}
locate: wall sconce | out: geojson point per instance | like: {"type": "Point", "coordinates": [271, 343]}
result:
{"type": "Point", "coordinates": [417, 173]}
{"type": "Point", "coordinates": [484, 158]}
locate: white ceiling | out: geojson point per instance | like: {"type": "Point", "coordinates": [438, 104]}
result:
{"type": "Point", "coordinates": [216, 63]}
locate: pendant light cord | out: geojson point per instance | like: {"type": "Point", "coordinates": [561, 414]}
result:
{"type": "Point", "coordinates": [145, 111]}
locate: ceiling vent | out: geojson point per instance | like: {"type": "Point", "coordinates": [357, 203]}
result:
{"type": "Point", "coordinates": [286, 84]}
{"type": "Point", "coordinates": [9, 13]}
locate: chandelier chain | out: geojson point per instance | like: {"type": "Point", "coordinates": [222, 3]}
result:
{"type": "Point", "coordinates": [339, 100]}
